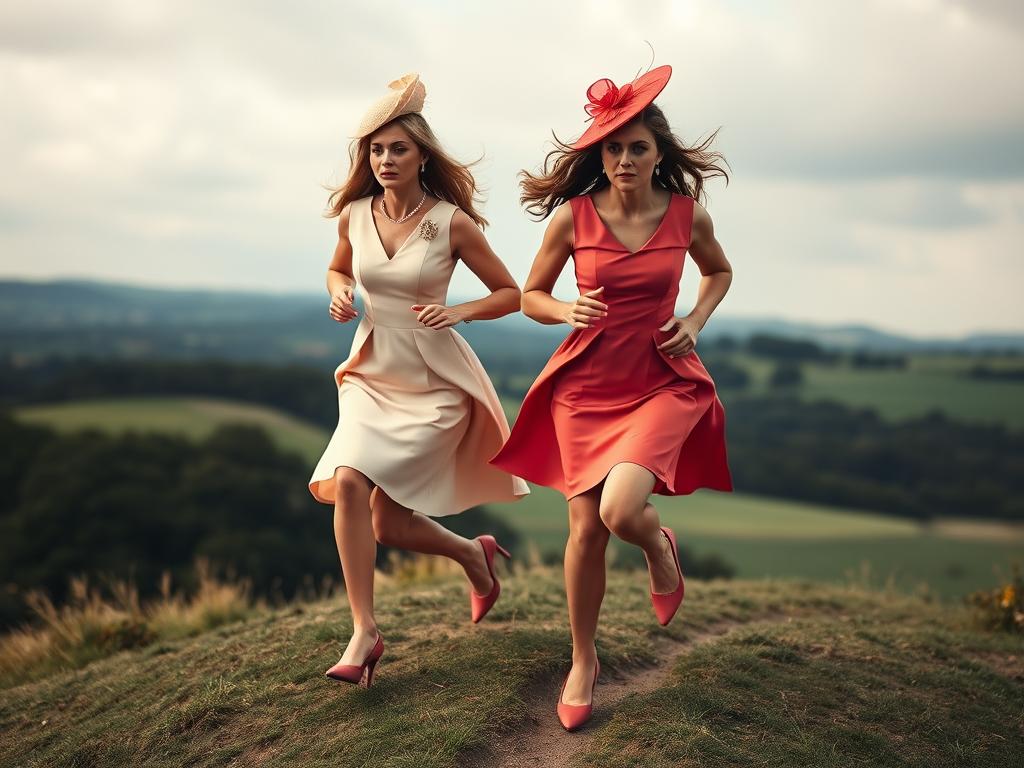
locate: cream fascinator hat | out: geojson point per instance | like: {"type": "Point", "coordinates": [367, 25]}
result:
{"type": "Point", "coordinates": [405, 95]}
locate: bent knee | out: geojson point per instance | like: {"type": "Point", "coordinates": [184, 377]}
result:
{"type": "Point", "coordinates": [386, 527]}
{"type": "Point", "coordinates": [618, 518]}
{"type": "Point", "coordinates": [350, 484]}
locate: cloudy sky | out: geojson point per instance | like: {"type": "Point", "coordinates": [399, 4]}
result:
{"type": "Point", "coordinates": [876, 147]}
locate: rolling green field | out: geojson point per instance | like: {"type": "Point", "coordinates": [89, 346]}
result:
{"type": "Point", "coordinates": [759, 536]}
{"type": "Point", "coordinates": [193, 417]}
{"type": "Point", "coordinates": [928, 383]}
{"type": "Point", "coordinates": [762, 537]}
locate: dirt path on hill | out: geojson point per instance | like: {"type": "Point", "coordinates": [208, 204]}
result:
{"type": "Point", "coordinates": [541, 742]}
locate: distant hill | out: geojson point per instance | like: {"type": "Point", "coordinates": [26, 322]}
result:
{"type": "Point", "coordinates": [83, 318]}
{"type": "Point", "coordinates": [844, 337]}
{"type": "Point", "coordinates": [74, 317]}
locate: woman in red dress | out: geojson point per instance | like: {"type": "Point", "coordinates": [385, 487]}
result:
{"type": "Point", "coordinates": [624, 407]}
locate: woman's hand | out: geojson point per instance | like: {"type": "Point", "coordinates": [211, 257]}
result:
{"type": "Point", "coordinates": [683, 340]}
{"type": "Point", "coordinates": [583, 312]}
{"type": "Point", "coordinates": [437, 316]}
{"type": "Point", "coordinates": [341, 307]}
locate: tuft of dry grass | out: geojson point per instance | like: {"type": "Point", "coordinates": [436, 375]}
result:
{"type": "Point", "coordinates": [97, 622]}
{"type": "Point", "coordinates": [416, 568]}
{"type": "Point", "coordinates": [215, 602]}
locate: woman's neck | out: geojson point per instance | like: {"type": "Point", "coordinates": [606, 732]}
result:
{"type": "Point", "coordinates": [634, 202]}
{"type": "Point", "coordinates": [400, 200]}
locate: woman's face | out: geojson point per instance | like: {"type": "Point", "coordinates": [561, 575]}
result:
{"type": "Point", "coordinates": [629, 156]}
{"type": "Point", "coordinates": [394, 157]}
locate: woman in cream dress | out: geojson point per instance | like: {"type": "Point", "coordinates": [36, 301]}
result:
{"type": "Point", "coordinates": [417, 414]}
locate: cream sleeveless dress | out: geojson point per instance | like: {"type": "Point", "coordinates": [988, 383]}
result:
{"type": "Point", "coordinates": [417, 413]}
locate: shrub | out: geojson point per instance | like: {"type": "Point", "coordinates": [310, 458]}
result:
{"type": "Point", "coordinates": [1001, 608]}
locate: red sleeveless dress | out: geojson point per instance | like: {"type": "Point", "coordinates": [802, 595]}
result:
{"type": "Point", "coordinates": [608, 394]}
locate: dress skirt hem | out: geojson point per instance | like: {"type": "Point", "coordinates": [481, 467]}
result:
{"type": "Point", "coordinates": [449, 356]}
{"type": "Point", "coordinates": [531, 451]}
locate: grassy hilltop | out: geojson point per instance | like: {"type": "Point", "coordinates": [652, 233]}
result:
{"type": "Point", "coordinates": [766, 673]}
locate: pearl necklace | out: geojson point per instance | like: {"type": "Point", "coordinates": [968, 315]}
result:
{"type": "Point", "coordinates": [407, 216]}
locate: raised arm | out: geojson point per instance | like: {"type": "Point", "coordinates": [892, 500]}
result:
{"type": "Point", "coordinates": [538, 303]}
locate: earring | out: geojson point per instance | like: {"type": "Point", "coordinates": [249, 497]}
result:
{"type": "Point", "coordinates": [657, 169]}
{"type": "Point", "coordinates": [423, 166]}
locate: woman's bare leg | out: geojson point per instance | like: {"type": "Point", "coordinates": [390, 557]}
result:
{"type": "Point", "coordinates": [584, 589]}
{"type": "Point", "coordinates": [353, 533]}
{"type": "Point", "coordinates": [398, 526]}
{"type": "Point", "coordinates": [627, 513]}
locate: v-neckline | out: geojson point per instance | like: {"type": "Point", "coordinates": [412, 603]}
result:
{"type": "Point", "coordinates": [380, 240]}
{"type": "Point", "coordinates": [650, 239]}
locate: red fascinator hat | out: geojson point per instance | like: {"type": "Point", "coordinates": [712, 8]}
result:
{"type": "Point", "coordinates": [611, 107]}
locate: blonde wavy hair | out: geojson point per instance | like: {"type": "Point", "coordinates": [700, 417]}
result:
{"type": "Point", "coordinates": [445, 178]}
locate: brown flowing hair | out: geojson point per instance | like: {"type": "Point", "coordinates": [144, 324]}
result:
{"type": "Point", "coordinates": [569, 172]}
{"type": "Point", "coordinates": [445, 178]}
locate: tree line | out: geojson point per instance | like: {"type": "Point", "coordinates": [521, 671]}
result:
{"type": "Point", "coordinates": [779, 445]}
{"type": "Point", "coordinates": [136, 504]}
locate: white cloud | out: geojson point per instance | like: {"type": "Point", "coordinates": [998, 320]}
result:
{"type": "Point", "coordinates": [872, 145]}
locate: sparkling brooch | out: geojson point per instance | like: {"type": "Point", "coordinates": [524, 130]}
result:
{"type": "Point", "coordinates": [428, 229]}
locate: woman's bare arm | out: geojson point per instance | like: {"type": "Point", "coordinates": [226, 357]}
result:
{"type": "Point", "coordinates": [340, 282]}
{"type": "Point", "coordinates": [715, 269]}
{"type": "Point", "coordinates": [716, 276]}
{"type": "Point", "coordinates": [555, 249]}
{"type": "Point", "coordinates": [469, 244]}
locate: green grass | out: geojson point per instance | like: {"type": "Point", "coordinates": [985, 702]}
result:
{"type": "Point", "coordinates": [759, 536]}
{"type": "Point", "coordinates": [903, 394]}
{"type": "Point", "coordinates": [192, 417]}
{"type": "Point", "coordinates": [874, 690]}
{"type": "Point", "coordinates": [838, 676]}
{"type": "Point", "coordinates": [953, 363]}
{"type": "Point", "coordinates": [928, 383]}
{"type": "Point", "coordinates": [770, 537]}
{"type": "Point", "coordinates": [731, 515]}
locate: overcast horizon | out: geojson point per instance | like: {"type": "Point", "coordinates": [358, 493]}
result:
{"type": "Point", "coordinates": [876, 149]}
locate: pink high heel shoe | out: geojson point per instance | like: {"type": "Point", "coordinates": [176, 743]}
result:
{"type": "Point", "coordinates": [481, 604]}
{"type": "Point", "coordinates": [352, 673]}
{"type": "Point", "coordinates": [666, 603]}
{"type": "Point", "coordinates": [572, 716]}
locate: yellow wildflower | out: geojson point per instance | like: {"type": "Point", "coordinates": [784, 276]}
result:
{"type": "Point", "coordinates": [1008, 596]}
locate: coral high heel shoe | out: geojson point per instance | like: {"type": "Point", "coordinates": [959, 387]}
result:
{"type": "Point", "coordinates": [352, 673]}
{"type": "Point", "coordinates": [481, 604]}
{"type": "Point", "coordinates": [666, 603]}
{"type": "Point", "coordinates": [572, 716]}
